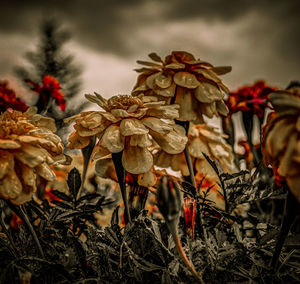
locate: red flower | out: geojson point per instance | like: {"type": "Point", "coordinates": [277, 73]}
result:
{"type": "Point", "coordinates": [250, 98]}
{"type": "Point", "coordinates": [50, 88]}
{"type": "Point", "coordinates": [189, 208]}
{"type": "Point", "coordinates": [15, 222]}
{"type": "Point", "coordinates": [8, 99]}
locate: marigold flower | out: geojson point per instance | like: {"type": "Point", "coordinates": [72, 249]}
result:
{"type": "Point", "coordinates": [192, 83]}
{"type": "Point", "coordinates": [127, 124]}
{"type": "Point", "coordinates": [27, 147]}
{"type": "Point", "coordinates": [8, 99]}
{"type": "Point", "coordinates": [202, 138]}
{"type": "Point", "coordinates": [250, 98]}
{"type": "Point", "coordinates": [50, 88]}
{"type": "Point", "coordinates": [281, 137]}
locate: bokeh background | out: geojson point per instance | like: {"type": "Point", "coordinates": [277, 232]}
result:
{"type": "Point", "coordinates": [259, 39]}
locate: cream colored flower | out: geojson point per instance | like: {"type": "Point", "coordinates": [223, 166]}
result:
{"type": "Point", "coordinates": [27, 147]}
{"type": "Point", "coordinates": [129, 124]}
{"type": "Point", "coordinates": [281, 137]}
{"type": "Point", "coordinates": [194, 83]}
{"type": "Point", "coordinates": [202, 138]}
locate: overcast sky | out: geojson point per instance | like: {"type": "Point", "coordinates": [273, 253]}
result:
{"type": "Point", "coordinates": [259, 39]}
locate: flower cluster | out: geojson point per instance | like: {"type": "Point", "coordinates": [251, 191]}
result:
{"type": "Point", "coordinates": [202, 138]}
{"type": "Point", "coordinates": [250, 98]}
{"type": "Point", "coordinates": [129, 124]}
{"type": "Point", "coordinates": [27, 147]}
{"type": "Point", "coordinates": [191, 83]}
{"type": "Point", "coordinates": [8, 99]}
{"type": "Point", "coordinates": [281, 137]}
{"type": "Point", "coordinates": [50, 88]}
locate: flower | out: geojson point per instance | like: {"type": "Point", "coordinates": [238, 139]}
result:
{"type": "Point", "coordinates": [8, 99]}
{"type": "Point", "coordinates": [50, 88]}
{"type": "Point", "coordinates": [127, 124]}
{"type": "Point", "coordinates": [250, 98]}
{"type": "Point", "coordinates": [202, 138]}
{"type": "Point", "coordinates": [181, 79]}
{"type": "Point", "coordinates": [27, 147]}
{"type": "Point", "coordinates": [281, 137]}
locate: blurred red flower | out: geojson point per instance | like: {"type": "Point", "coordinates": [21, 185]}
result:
{"type": "Point", "coordinates": [8, 99]}
{"type": "Point", "coordinates": [50, 88]}
{"type": "Point", "coordinates": [250, 98]}
{"type": "Point", "coordinates": [189, 208]}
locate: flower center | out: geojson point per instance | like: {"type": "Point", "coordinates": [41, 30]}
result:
{"type": "Point", "coordinates": [123, 102]}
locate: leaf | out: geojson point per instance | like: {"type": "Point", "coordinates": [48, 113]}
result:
{"type": "Point", "coordinates": [88, 196]}
{"type": "Point", "coordinates": [115, 216]}
{"type": "Point", "coordinates": [212, 163]}
{"type": "Point", "coordinates": [61, 204]}
{"type": "Point", "coordinates": [61, 195]}
{"type": "Point", "coordinates": [87, 152]}
{"type": "Point", "coordinates": [74, 182]}
{"type": "Point", "coordinates": [36, 208]}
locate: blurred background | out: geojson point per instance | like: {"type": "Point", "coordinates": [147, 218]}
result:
{"type": "Point", "coordinates": [103, 39]}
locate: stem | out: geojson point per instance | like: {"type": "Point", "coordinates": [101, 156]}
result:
{"type": "Point", "coordinates": [289, 215]}
{"type": "Point", "coordinates": [185, 259]}
{"type": "Point", "coordinates": [121, 174]}
{"type": "Point", "coordinates": [21, 213]}
{"type": "Point", "coordinates": [7, 233]}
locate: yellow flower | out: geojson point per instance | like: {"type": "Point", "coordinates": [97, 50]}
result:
{"type": "Point", "coordinates": [194, 83]}
{"type": "Point", "coordinates": [128, 124]}
{"type": "Point", "coordinates": [281, 137]}
{"type": "Point", "coordinates": [27, 147]}
{"type": "Point", "coordinates": [202, 138]}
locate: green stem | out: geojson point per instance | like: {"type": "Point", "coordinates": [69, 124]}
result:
{"type": "Point", "coordinates": [289, 215]}
{"type": "Point", "coordinates": [185, 259]}
{"type": "Point", "coordinates": [21, 213]}
{"type": "Point", "coordinates": [121, 174]}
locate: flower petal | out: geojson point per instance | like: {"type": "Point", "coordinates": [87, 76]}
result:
{"type": "Point", "coordinates": [186, 79]}
{"type": "Point", "coordinates": [99, 152]}
{"type": "Point", "coordinates": [162, 159]}
{"type": "Point", "coordinates": [137, 160]}
{"type": "Point", "coordinates": [147, 179]}
{"type": "Point", "coordinates": [31, 156]}
{"type": "Point", "coordinates": [178, 163]}
{"type": "Point", "coordinates": [167, 92]}
{"type": "Point", "coordinates": [165, 111]}
{"type": "Point", "coordinates": [105, 168]}
{"type": "Point", "coordinates": [151, 80]}
{"type": "Point", "coordinates": [188, 110]}
{"type": "Point", "coordinates": [172, 142]}
{"type": "Point", "coordinates": [10, 186]}
{"type": "Point", "coordinates": [9, 144]}
{"type": "Point", "coordinates": [197, 146]}
{"type": "Point", "coordinates": [163, 81]}
{"type": "Point", "coordinates": [6, 163]}
{"type": "Point", "coordinates": [78, 142]}
{"type": "Point", "coordinates": [112, 139]}
{"type": "Point", "coordinates": [157, 125]}
{"type": "Point", "coordinates": [222, 108]}
{"type": "Point", "coordinates": [140, 140]}
{"type": "Point", "coordinates": [132, 126]}
{"type": "Point", "coordinates": [175, 66]}
{"type": "Point", "coordinates": [41, 121]}
{"type": "Point", "coordinates": [44, 171]}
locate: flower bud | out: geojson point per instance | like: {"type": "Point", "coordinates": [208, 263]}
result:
{"type": "Point", "coordinates": [169, 201]}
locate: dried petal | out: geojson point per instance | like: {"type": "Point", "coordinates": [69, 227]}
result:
{"type": "Point", "coordinates": [132, 126]}
{"type": "Point", "coordinates": [186, 79]}
{"type": "Point", "coordinates": [112, 139]}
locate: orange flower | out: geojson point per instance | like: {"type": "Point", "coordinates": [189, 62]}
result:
{"type": "Point", "coordinates": [281, 137]}
{"type": "Point", "coordinates": [191, 83]}
{"type": "Point", "coordinates": [27, 147]}
{"type": "Point", "coordinates": [128, 124]}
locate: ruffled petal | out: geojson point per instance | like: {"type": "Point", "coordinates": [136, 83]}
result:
{"type": "Point", "coordinates": [197, 146]}
{"type": "Point", "coordinates": [45, 171]}
{"type": "Point", "coordinates": [78, 142]}
{"type": "Point", "coordinates": [31, 156]}
{"type": "Point", "coordinates": [112, 139]}
{"type": "Point", "coordinates": [137, 160]}
{"type": "Point", "coordinates": [163, 81]}
{"type": "Point", "coordinates": [157, 125]}
{"type": "Point", "coordinates": [167, 92]}
{"type": "Point", "coordinates": [105, 168]}
{"type": "Point", "coordinates": [162, 159]}
{"type": "Point", "coordinates": [132, 127]}
{"type": "Point", "coordinates": [188, 110]}
{"type": "Point", "coordinates": [140, 140]}
{"type": "Point", "coordinates": [165, 111]}
{"type": "Point", "coordinates": [99, 152]}
{"type": "Point", "coordinates": [9, 144]}
{"type": "Point", "coordinates": [186, 79]}
{"type": "Point", "coordinates": [172, 142]}
{"type": "Point", "coordinates": [10, 186]}
{"type": "Point", "coordinates": [92, 120]}
{"type": "Point", "coordinates": [147, 179]}
{"type": "Point", "coordinates": [6, 163]}
{"type": "Point", "coordinates": [41, 121]}
{"type": "Point", "coordinates": [178, 163]}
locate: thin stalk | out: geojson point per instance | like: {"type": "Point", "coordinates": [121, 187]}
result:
{"type": "Point", "coordinates": [121, 174]}
{"type": "Point", "coordinates": [21, 213]}
{"type": "Point", "coordinates": [185, 259]}
{"type": "Point", "coordinates": [290, 212]}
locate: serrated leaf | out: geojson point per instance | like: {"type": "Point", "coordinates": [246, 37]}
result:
{"type": "Point", "coordinates": [61, 195]}
{"type": "Point", "coordinates": [115, 216]}
{"type": "Point", "coordinates": [89, 196]}
{"type": "Point", "coordinates": [62, 204]}
{"type": "Point", "coordinates": [212, 163]}
{"type": "Point", "coordinates": [74, 182]}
